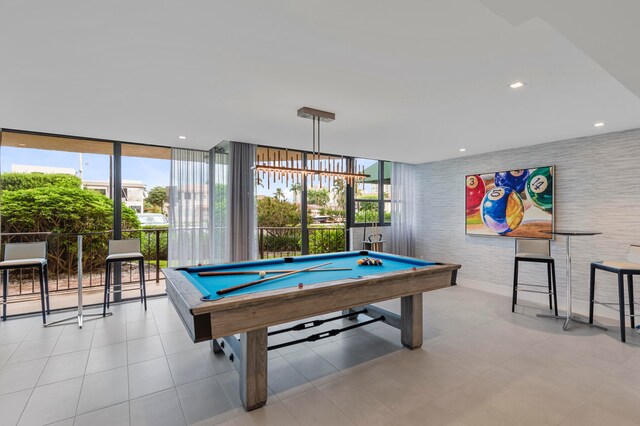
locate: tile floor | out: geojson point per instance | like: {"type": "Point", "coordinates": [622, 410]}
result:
{"type": "Point", "coordinates": [480, 365]}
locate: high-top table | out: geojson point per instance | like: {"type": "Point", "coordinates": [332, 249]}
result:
{"type": "Point", "coordinates": [569, 315]}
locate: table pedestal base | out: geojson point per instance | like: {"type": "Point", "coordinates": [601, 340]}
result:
{"type": "Point", "coordinates": [570, 318]}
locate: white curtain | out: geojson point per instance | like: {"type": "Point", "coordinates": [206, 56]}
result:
{"type": "Point", "coordinates": [189, 242]}
{"type": "Point", "coordinates": [242, 222]}
{"type": "Point", "coordinates": [219, 169]}
{"type": "Point", "coordinates": [403, 214]}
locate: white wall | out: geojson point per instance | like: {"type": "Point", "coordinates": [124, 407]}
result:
{"type": "Point", "coordinates": [597, 187]}
{"type": "Point", "coordinates": [358, 235]}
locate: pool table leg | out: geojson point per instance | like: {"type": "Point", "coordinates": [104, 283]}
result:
{"type": "Point", "coordinates": [348, 311]}
{"type": "Point", "coordinates": [253, 368]}
{"type": "Point", "coordinates": [411, 314]}
{"type": "Point", "coordinates": [215, 346]}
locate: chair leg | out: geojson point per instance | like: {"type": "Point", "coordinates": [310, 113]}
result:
{"type": "Point", "coordinates": [42, 298]}
{"type": "Point", "coordinates": [46, 287]}
{"type": "Point", "coordinates": [631, 302]}
{"type": "Point", "coordinates": [112, 275]}
{"type": "Point", "coordinates": [592, 292]}
{"type": "Point", "coordinates": [549, 284]}
{"type": "Point", "coordinates": [143, 287]}
{"type": "Point", "coordinates": [514, 298]}
{"type": "Point", "coordinates": [621, 303]}
{"type": "Point", "coordinates": [5, 289]}
{"type": "Point", "coordinates": [106, 289]}
{"type": "Point", "coordinates": [553, 283]}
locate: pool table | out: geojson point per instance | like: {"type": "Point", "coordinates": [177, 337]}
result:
{"type": "Point", "coordinates": [340, 284]}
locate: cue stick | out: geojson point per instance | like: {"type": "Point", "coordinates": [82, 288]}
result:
{"type": "Point", "coordinates": [241, 286]}
{"type": "Point", "coordinates": [271, 271]}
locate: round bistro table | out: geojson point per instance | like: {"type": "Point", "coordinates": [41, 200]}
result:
{"type": "Point", "coordinates": [569, 315]}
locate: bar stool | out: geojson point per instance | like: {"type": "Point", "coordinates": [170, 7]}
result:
{"type": "Point", "coordinates": [538, 251]}
{"type": "Point", "coordinates": [621, 268]}
{"type": "Point", "coordinates": [26, 256]}
{"type": "Point", "coordinates": [124, 251]}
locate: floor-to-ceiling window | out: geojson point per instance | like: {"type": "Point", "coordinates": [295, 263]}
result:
{"type": "Point", "coordinates": [371, 204]}
{"type": "Point", "coordinates": [55, 189]}
{"type": "Point", "coordinates": [58, 189]}
{"type": "Point", "coordinates": [326, 206]}
{"type": "Point", "coordinates": [298, 213]}
{"type": "Point", "coordinates": [145, 190]}
{"type": "Point", "coordinates": [279, 204]}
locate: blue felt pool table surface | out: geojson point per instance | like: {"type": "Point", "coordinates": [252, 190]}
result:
{"type": "Point", "coordinates": [209, 285]}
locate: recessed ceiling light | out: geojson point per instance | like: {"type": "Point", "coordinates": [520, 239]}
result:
{"type": "Point", "coordinates": [516, 85]}
{"type": "Point", "coordinates": [21, 144]}
{"type": "Point", "coordinates": [598, 124]}
{"type": "Point", "coordinates": [182, 137]}
{"type": "Point", "coordinates": [462, 149]}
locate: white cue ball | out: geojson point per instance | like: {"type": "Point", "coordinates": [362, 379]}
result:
{"type": "Point", "coordinates": [262, 274]}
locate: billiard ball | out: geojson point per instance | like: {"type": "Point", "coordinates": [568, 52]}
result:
{"type": "Point", "coordinates": [502, 210]}
{"type": "Point", "coordinates": [540, 188]}
{"type": "Point", "coordinates": [262, 274]}
{"type": "Point", "coordinates": [475, 192]}
{"type": "Point", "coordinates": [514, 179]}
{"type": "Point", "coordinates": [300, 285]}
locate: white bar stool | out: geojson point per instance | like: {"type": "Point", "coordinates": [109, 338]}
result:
{"type": "Point", "coordinates": [124, 251]}
{"type": "Point", "coordinates": [630, 267]}
{"type": "Point", "coordinates": [535, 251]}
{"type": "Point", "coordinates": [26, 256]}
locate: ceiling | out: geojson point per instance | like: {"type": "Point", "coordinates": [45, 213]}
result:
{"type": "Point", "coordinates": [409, 81]}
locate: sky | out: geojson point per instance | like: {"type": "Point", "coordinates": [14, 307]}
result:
{"type": "Point", "coordinates": [152, 172]}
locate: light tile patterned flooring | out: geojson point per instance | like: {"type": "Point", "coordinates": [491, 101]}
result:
{"type": "Point", "coordinates": [480, 365]}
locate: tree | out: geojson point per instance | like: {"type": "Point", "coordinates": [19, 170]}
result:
{"type": "Point", "coordinates": [60, 210]}
{"type": "Point", "coordinates": [279, 195]}
{"type": "Point", "coordinates": [319, 197]}
{"type": "Point", "coordinates": [367, 211]}
{"type": "Point", "coordinates": [339, 189]}
{"type": "Point", "coordinates": [66, 211]}
{"type": "Point", "coordinates": [156, 199]}
{"type": "Point", "coordinates": [276, 213]}
{"type": "Point", "coordinates": [296, 188]}
{"type": "Point", "coordinates": [17, 181]}
{"type": "Point", "coordinates": [60, 206]}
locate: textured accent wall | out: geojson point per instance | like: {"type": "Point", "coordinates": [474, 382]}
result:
{"type": "Point", "coordinates": [358, 235]}
{"type": "Point", "coordinates": [597, 187]}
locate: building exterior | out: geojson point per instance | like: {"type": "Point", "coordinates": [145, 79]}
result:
{"type": "Point", "coordinates": [133, 191]}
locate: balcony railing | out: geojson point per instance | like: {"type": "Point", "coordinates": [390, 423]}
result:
{"type": "Point", "coordinates": [63, 258]}
{"type": "Point", "coordinates": [280, 242]}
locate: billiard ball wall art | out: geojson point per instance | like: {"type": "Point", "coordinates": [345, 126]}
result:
{"type": "Point", "coordinates": [513, 203]}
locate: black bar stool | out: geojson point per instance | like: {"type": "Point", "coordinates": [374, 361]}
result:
{"type": "Point", "coordinates": [538, 251]}
{"type": "Point", "coordinates": [621, 268]}
{"type": "Point", "coordinates": [124, 251]}
{"type": "Point", "coordinates": [26, 256]}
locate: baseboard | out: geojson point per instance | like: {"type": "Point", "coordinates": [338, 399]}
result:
{"type": "Point", "coordinates": [580, 307]}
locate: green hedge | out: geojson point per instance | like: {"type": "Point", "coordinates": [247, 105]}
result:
{"type": "Point", "coordinates": [284, 242]}
{"type": "Point", "coordinates": [325, 240]}
{"type": "Point", "coordinates": [148, 242]}
{"type": "Point", "coordinates": [18, 181]}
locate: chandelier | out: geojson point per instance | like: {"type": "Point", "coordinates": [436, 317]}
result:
{"type": "Point", "coordinates": [274, 166]}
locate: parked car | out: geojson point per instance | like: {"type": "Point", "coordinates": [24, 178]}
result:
{"type": "Point", "coordinates": [155, 219]}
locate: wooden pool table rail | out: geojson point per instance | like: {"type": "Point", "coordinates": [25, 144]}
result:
{"type": "Point", "coordinates": [251, 314]}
